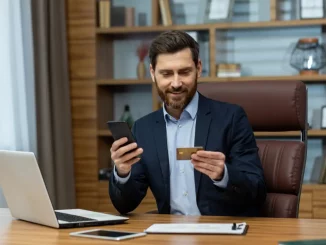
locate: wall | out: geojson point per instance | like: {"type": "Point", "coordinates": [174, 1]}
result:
{"type": "Point", "coordinates": [3, 203]}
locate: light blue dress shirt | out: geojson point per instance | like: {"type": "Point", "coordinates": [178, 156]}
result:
{"type": "Point", "coordinates": [181, 133]}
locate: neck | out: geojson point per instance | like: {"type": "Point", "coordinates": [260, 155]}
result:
{"type": "Point", "coordinates": [176, 113]}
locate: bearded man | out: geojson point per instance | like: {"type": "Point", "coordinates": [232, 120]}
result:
{"type": "Point", "coordinates": [225, 178]}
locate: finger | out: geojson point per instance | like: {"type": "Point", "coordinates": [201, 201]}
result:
{"type": "Point", "coordinates": [205, 171]}
{"type": "Point", "coordinates": [116, 155]}
{"type": "Point", "coordinates": [205, 165]}
{"type": "Point", "coordinates": [131, 155]}
{"type": "Point", "coordinates": [211, 154]}
{"type": "Point", "coordinates": [125, 167]}
{"type": "Point", "coordinates": [133, 161]}
{"type": "Point", "coordinates": [200, 158]}
{"type": "Point", "coordinates": [211, 161]}
{"type": "Point", "coordinates": [117, 143]}
{"type": "Point", "coordinates": [122, 150]}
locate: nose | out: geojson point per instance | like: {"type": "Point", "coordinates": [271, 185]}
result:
{"type": "Point", "coordinates": [176, 83]}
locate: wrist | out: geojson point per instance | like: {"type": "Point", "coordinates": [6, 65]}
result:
{"type": "Point", "coordinates": [122, 174]}
{"type": "Point", "coordinates": [220, 177]}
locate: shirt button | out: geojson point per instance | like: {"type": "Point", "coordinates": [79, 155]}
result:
{"type": "Point", "coordinates": [185, 193]}
{"type": "Point", "coordinates": [180, 125]}
{"type": "Point", "coordinates": [182, 171]}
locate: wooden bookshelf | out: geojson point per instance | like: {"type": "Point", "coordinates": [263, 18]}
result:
{"type": "Point", "coordinates": [304, 78]}
{"type": "Point", "coordinates": [123, 81]}
{"type": "Point", "coordinates": [312, 201]}
{"type": "Point", "coordinates": [92, 83]}
{"type": "Point", "coordinates": [311, 133]}
{"type": "Point", "coordinates": [104, 133]}
{"type": "Point", "coordinates": [307, 78]}
{"type": "Point", "coordinates": [206, 27]}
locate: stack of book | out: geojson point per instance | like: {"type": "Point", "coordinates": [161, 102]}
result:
{"type": "Point", "coordinates": [228, 70]}
{"type": "Point", "coordinates": [114, 16]}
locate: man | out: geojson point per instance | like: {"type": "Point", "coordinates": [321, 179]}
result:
{"type": "Point", "coordinates": [226, 178]}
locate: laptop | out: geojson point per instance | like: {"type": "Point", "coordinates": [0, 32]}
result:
{"type": "Point", "coordinates": [27, 197]}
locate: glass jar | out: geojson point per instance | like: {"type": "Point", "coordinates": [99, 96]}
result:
{"type": "Point", "coordinates": [308, 56]}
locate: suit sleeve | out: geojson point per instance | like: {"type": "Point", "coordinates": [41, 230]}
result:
{"type": "Point", "coordinates": [127, 195]}
{"type": "Point", "coordinates": [246, 177]}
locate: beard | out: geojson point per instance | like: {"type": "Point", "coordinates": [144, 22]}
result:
{"type": "Point", "coordinates": [177, 102]}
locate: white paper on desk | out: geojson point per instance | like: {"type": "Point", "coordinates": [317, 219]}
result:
{"type": "Point", "coordinates": [198, 228]}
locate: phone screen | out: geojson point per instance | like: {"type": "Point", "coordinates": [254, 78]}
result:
{"type": "Point", "coordinates": [120, 130]}
{"type": "Point", "coordinates": [105, 233]}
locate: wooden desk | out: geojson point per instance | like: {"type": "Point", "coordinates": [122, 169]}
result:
{"type": "Point", "coordinates": [262, 231]}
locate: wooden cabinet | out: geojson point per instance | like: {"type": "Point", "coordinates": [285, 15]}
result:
{"type": "Point", "coordinates": [313, 201]}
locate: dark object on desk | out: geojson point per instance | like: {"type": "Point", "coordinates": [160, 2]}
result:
{"type": "Point", "coordinates": [273, 106]}
{"type": "Point", "coordinates": [304, 242]}
{"type": "Point", "coordinates": [104, 174]}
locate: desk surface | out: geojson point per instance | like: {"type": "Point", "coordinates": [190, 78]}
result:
{"type": "Point", "coordinates": [261, 231]}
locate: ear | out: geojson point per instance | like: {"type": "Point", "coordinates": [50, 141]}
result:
{"type": "Point", "coordinates": [152, 72]}
{"type": "Point", "coordinates": [199, 68]}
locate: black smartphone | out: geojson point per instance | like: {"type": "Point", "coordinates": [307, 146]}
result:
{"type": "Point", "coordinates": [108, 234]}
{"type": "Point", "coordinates": [120, 129]}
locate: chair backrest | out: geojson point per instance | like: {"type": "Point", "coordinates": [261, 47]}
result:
{"type": "Point", "coordinates": [273, 106]}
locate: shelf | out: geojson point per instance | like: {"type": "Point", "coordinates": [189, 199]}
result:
{"type": "Point", "coordinates": [104, 133]}
{"type": "Point", "coordinates": [205, 27]}
{"type": "Point", "coordinates": [123, 81]}
{"type": "Point", "coordinates": [311, 133]}
{"type": "Point", "coordinates": [306, 78]}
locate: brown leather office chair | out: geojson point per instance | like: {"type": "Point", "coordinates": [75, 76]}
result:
{"type": "Point", "coordinates": [273, 106]}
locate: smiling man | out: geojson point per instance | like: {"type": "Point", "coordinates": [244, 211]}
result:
{"type": "Point", "coordinates": [224, 178]}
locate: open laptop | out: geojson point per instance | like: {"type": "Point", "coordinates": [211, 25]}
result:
{"type": "Point", "coordinates": [27, 197]}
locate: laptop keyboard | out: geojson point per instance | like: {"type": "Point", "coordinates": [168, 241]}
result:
{"type": "Point", "coordinates": [71, 217]}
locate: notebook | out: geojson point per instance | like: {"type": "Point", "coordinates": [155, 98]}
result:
{"type": "Point", "coordinates": [304, 242]}
{"type": "Point", "coordinates": [200, 228]}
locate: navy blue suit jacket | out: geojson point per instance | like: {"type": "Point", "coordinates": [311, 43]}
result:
{"type": "Point", "coordinates": [220, 127]}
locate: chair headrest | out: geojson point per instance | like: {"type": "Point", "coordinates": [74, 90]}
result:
{"type": "Point", "coordinates": [270, 105]}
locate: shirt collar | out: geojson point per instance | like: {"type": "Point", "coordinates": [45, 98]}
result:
{"type": "Point", "coordinates": [191, 108]}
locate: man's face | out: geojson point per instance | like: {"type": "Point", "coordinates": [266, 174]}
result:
{"type": "Point", "coordinates": [176, 76]}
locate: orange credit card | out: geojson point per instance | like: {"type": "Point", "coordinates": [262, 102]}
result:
{"type": "Point", "coordinates": [185, 153]}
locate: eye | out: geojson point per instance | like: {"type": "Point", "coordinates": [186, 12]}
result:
{"type": "Point", "coordinates": [166, 74]}
{"type": "Point", "coordinates": [185, 72]}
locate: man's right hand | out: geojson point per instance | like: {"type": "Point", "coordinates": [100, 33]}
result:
{"type": "Point", "coordinates": [122, 161]}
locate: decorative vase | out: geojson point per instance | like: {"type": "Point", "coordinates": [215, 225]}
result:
{"type": "Point", "coordinates": [308, 56]}
{"type": "Point", "coordinates": [127, 117]}
{"type": "Point", "coordinates": [141, 70]}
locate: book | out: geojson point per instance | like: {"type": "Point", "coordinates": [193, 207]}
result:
{"type": "Point", "coordinates": [165, 12]}
{"type": "Point", "coordinates": [304, 242]}
{"type": "Point", "coordinates": [104, 7]}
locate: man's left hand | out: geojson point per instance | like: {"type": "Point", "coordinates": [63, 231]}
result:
{"type": "Point", "coordinates": [210, 163]}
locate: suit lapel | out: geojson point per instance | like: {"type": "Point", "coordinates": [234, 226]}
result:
{"type": "Point", "coordinates": [162, 151]}
{"type": "Point", "coordinates": [202, 129]}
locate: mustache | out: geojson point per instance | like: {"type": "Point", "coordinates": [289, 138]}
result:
{"type": "Point", "coordinates": [176, 90]}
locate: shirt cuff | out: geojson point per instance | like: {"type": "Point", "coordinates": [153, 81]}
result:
{"type": "Point", "coordinates": [224, 181]}
{"type": "Point", "coordinates": [119, 179]}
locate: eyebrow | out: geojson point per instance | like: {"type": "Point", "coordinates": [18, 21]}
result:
{"type": "Point", "coordinates": [180, 70]}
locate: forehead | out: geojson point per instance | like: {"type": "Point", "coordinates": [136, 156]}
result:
{"type": "Point", "coordinates": [175, 60]}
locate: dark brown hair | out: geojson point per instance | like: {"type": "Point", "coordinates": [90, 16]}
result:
{"type": "Point", "coordinates": [171, 42]}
